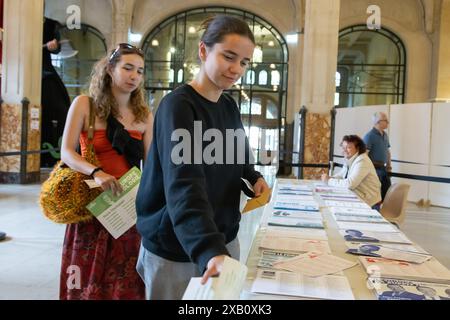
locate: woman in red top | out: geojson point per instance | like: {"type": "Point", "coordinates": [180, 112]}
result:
{"type": "Point", "coordinates": [94, 264]}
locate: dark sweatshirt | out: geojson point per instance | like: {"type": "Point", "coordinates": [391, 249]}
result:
{"type": "Point", "coordinates": [188, 211]}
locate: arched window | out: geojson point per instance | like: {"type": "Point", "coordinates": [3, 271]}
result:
{"type": "Point", "coordinates": [180, 76]}
{"type": "Point", "coordinates": [371, 65]}
{"type": "Point", "coordinates": [180, 35]}
{"type": "Point", "coordinates": [250, 77]}
{"type": "Point", "coordinates": [338, 84]}
{"type": "Point", "coordinates": [275, 78]}
{"type": "Point", "coordinates": [81, 49]}
{"type": "Point", "coordinates": [262, 79]}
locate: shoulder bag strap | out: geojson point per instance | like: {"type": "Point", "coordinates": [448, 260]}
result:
{"type": "Point", "coordinates": [90, 154]}
{"type": "Point", "coordinates": [91, 126]}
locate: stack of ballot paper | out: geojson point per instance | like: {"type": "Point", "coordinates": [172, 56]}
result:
{"type": "Point", "coordinates": [300, 206]}
{"type": "Point", "coordinates": [364, 226]}
{"type": "Point", "coordinates": [331, 190]}
{"type": "Point", "coordinates": [295, 222]}
{"type": "Point", "coordinates": [428, 271]}
{"type": "Point", "coordinates": [376, 250]}
{"type": "Point", "coordinates": [296, 284]}
{"type": "Point", "coordinates": [298, 219]}
{"type": "Point", "coordinates": [309, 234]}
{"type": "Point", "coordinates": [355, 211]}
{"type": "Point", "coordinates": [314, 264]}
{"type": "Point", "coordinates": [268, 257]}
{"type": "Point", "coordinates": [399, 289]}
{"type": "Point", "coordinates": [347, 204]}
{"type": "Point", "coordinates": [293, 244]}
{"type": "Point", "coordinates": [367, 217]}
{"type": "Point", "coordinates": [227, 286]}
{"type": "Point", "coordinates": [356, 235]}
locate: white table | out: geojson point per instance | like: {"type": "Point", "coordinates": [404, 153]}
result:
{"type": "Point", "coordinates": [355, 275]}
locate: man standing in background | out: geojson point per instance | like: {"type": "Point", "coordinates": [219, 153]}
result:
{"type": "Point", "coordinates": [377, 143]}
{"type": "Point", "coordinates": [55, 100]}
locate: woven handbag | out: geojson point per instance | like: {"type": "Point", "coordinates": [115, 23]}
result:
{"type": "Point", "coordinates": [64, 195]}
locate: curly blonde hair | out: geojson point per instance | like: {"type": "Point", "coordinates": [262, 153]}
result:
{"type": "Point", "coordinates": [101, 93]}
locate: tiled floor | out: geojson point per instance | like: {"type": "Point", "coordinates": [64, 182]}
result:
{"type": "Point", "coordinates": [30, 256]}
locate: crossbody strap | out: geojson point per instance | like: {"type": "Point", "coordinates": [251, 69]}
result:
{"type": "Point", "coordinates": [91, 126]}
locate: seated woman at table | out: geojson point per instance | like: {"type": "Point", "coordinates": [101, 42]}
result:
{"type": "Point", "coordinates": [358, 173]}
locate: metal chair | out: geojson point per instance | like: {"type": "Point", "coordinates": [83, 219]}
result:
{"type": "Point", "coordinates": [394, 205]}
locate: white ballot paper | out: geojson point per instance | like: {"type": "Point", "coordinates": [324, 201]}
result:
{"type": "Point", "coordinates": [310, 234]}
{"type": "Point", "coordinates": [431, 270]}
{"type": "Point", "coordinates": [376, 250]}
{"type": "Point", "coordinates": [294, 205]}
{"type": "Point", "coordinates": [314, 264]}
{"type": "Point", "coordinates": [293, 244]}
{"type": "Point", "coordinates": [294, 198]}
{"type": "Point", "coordinates": [268, 257]}
{"type": "Point", "coordinates": [118, 214]}
{"type": "Point", "coordinates": [227, 286]}
{"type": "Point", "coordinates": [346, 204]}
{"type": "Point", "coordinates": [359, 218]}
{"type": "Point", "coordinates": [295, 284]}
{"type": "Point", "coordinates": [370, 236]}
{"type": "Point", "coordinates": [356, 211]}
{"type": "Point", "coordinates": [364, 226]}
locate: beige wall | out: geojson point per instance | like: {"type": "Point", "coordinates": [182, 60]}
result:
{"type": "Point", "coordinates": [404, 18]}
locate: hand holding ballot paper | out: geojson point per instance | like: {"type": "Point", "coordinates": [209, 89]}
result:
{"type": "Point", "coordinates": [227, 286]}
{"type": "Point", "coordinates": [118, 213]}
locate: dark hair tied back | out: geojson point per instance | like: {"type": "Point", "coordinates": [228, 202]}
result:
{"type": "Point", "coordinates": [217, 27]}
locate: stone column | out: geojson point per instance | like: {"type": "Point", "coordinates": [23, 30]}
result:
{"type": "Point", "coordinates": [21, 91]}
{"type": "Point", "coordinates": [122, 14]}
{"type": "Point", "coordinates": [320, 49]}
{"type": "Point", "coordinates": [443, 54]}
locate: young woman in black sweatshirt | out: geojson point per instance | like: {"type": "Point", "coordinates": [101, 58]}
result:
{"type": "Point", "coordinates": [188, 199]}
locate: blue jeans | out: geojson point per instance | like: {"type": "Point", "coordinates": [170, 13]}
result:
{"type": "Point", "coordinates": [377, 207]}
{"type": "Point", "coordinates": [167, 280]}
{"type": "Point", "coordinates": [385, 181]}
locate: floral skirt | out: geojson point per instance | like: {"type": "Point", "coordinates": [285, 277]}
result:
{"type": "Point", "coordinates": [97, 266]}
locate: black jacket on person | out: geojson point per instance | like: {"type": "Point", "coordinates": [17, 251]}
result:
{"type": "Point", "coordinates": [189, 212]}
{"type": "Point", "coordinates": [55, 100]}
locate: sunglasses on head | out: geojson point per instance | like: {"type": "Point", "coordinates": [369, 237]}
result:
{"type": "Point", "coordinates": [127, 48]}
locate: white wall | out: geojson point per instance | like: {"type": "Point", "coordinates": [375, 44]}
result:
{"type": "Point", "coordinates": [440, 153]}
{"type": "Point", "coordinates": [419, 136]}
{"type": "Point", "coordinates": [353, 121]}
{"type": "Point", "coordinates": [410, 137]}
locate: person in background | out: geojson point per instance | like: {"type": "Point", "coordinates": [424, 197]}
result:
{"type": "Point", "coordinates": [377, 144]}
{"type": "Point", "coordinates": [122, 136]}
{"type": "Point", "coordinates": [188, 211]}
{"type": "Point", "coordinates": [358, 173]}
{"type": "Point", "coordinates": [55, 100]}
